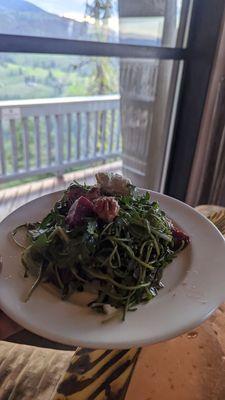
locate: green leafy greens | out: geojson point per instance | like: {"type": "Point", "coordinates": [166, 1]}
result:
{"type": "Point", "coordinates": [123, 259]}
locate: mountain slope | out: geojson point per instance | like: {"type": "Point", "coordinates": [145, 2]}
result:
{"type": "Point", "coordinates": [19, 17]}
{"type": "Point", "coordinates": [19, 6]}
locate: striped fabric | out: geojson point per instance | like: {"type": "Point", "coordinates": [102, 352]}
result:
{"type": "Point", "coordinates": [98, 375]}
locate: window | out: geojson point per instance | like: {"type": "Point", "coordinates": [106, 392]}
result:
{"type": "Point", "coordinates": [142, 52]}
{"type": "Point", "coordinates": [104, 20]}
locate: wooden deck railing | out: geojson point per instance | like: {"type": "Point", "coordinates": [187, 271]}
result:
{"type": "Point", "coordinates": [52, 135]}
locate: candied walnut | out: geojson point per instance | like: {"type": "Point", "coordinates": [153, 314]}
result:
{"type": "Point", "coordinates": [114, 184]}
{"type": "Point", "coordinates": [107, 208]}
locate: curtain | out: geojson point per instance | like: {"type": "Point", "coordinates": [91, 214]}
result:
{"type": "Point", "coordinates": [207, 180]}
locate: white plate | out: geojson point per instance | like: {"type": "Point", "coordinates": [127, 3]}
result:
{"type": "Point", "coordinates": [194, 287]}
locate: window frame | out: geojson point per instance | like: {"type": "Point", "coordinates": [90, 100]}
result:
{"type": "Point", "coordinates": [202, 46]}
{"type": "Point", "coordinates": [42, 45]}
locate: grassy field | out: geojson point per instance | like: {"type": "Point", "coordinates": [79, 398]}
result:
{"type": "Point", "coordinates": [27, 76]}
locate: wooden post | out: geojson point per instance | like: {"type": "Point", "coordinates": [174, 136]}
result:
{"type": "Point", "coordinates": [59, 145]}
{"type": "Point", "coordinates": [26, 144]}
{"type": "Point", "coordinates": [14, 144]}
{"type": "Point", "coordinates": [37, 141]}
{"type": "Point", "coordinates": [48, 135]}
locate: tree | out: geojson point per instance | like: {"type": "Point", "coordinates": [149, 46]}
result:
{"type": "Point", "coordinates": [103, 69]}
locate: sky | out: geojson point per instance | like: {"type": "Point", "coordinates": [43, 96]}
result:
{"type": "Point", "coordinates": [75, 9]}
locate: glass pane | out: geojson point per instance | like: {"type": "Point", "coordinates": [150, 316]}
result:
{"type": "Point", "coordinates": [153, 22]}
{"type": "Point", "coordinates": [59, 111]}
{"type": "Point", "coordinates": [147, 100]}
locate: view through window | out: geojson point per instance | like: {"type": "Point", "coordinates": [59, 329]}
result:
{"type": "Point", "coordinates": [99, 20]}
{"type": "Point", "coordinates": [52, 116]}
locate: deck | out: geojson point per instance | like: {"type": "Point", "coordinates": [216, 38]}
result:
{"type": "Point", "coordinates": [12, 198]}
{"type": "Point", "coordinates": [56, 135]}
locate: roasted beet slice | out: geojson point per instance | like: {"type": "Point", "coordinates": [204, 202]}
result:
{"type": "Point", "coordinates": [74, 192]}
{"type": "Point", "coordinates": [93, 193]}
{"type": "Point", "coordinates": [179, 236]}
{"type": "Point", "coordinates": [80, 209]}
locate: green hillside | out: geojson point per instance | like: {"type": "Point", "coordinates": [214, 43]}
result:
{"type": "Point", "coordinates": [27, 76]}
{"type": "Point", "coordinates": [19, 17]}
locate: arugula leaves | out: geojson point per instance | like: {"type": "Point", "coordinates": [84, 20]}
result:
{"type": "Point", "coordinates": [124, 259]}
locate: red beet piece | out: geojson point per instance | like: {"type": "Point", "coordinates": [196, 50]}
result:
{"type": "Point", "coordinates": [76, 191]}
{"type": "Point", "coordinates": [93, 193]}
{"type": "Point", "coordinates": [80, 209]}
{"type": "Point", "coordinates": [179, 236]}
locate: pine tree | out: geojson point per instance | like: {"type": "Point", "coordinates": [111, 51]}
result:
{"type": "Point", "coordinates": [101, 11]}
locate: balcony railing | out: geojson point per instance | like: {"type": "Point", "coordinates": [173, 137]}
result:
{"type": "Point", "coordinates": [53, 135]}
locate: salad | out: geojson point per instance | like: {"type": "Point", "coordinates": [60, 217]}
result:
{"type": "Point", "coordinates": [108, 237]}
